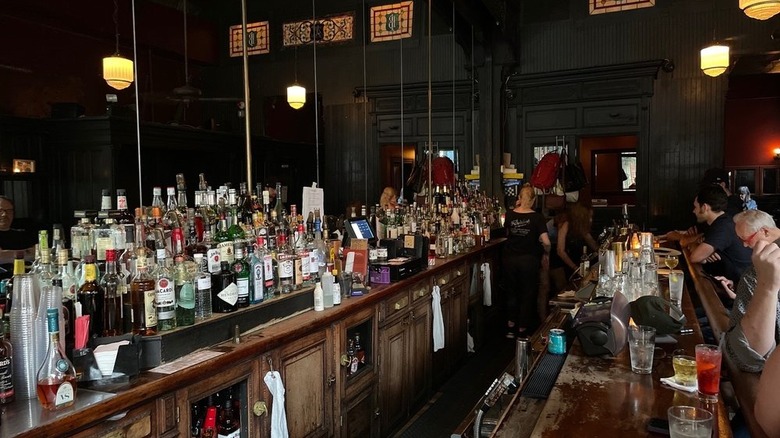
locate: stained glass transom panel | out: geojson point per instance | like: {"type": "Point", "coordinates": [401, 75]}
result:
{"type": "Point", "coordinates": [257, 39]}
{"type": "Point", "coordinates": [604, 6]}
{"type": "Point", "coordinates": [334, 29]}
{"type": "Point", "coordinates": [392, 22]}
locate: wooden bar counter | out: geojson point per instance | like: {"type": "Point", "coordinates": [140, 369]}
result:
{"type": "Point", "coordinates": [322, 397]}
{"type": "Point", "coordinates": [602, 397]}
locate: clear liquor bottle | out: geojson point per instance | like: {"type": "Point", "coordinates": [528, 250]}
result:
{"type": "Point", "coordinates": [256, 267]}
{"type": "Point", "coordinates": [56, 377]}
{"type": "Point", "coordinates": [202, 283]}
{"type": "Point", "coordinates": [185, 295]}
{"type": "Point", "coordinates": [164, 294]}
{"type": "Point", "coordinates": [286, 265]}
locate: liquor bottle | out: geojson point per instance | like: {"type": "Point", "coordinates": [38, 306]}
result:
{"type": "Point", "coordinates": [64, 278]}
{"type": "Point", "coordinates": [584, 262]}
{"type": "Point", "coordinates": [6, 367]}
{"type": "Point", "coordinates": [90, 296]}
{"type": "Point", "coordinates": [256, 268]}
{"type": "Point", "coordinates": [278, 207]}
{"type": "Point", "coordinates": [327, 289]}
{"type": "Point", "coordinates": [112, 298]}
{"type": "Point", "coordinates": [228, 427]}
{"type": "Point", "coordinates": [210, 423]}
{"type": "Point", "coordinates": [286, 265]}
{"type": "Point", "coordinates": [269, 273]}
{"type": "Point", "coordinates": [224, 292]}
{"type": "Point", "coordinates": [164, 294]}
{"type": "Point", "coordinates": [57, 242]}
{"type": "Point", "coordinates": [319, 304]}
{"type": "Point", "coordinates": [202, 283]}
{"type": "Point", "coordinates": [56, 376]}
{"type": "Point", "coordinates": [241, 268]}
{"type": "Point", "coordinates": [181, 193]}
{"type": "Point", "coordinates": [105, 202]}
{"type": "Point", "coordinates": [185, 295]}
{"type": "Point", "coordinates": [142, 292]}
{"type": "Point", "coordinates": [124, 217]}
{"type": "Point", "coordinates": [235, 231]}
{"type": "Point", "coordinates": [212, 253]}
{"type": "Point", "coordinates": [360, 353]}
{"type": "Point", "coordinates": [224, 243]}
{"type": "Point", "coordinates": [336, 288]}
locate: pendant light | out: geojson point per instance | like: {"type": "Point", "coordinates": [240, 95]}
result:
{"type": "Point", "coordinates": [296, 94]}
{"type": "Point", "coordinates": [714, 59]}
{"type": "Point", "coordinates": [760, 9]}
{"type": "Point", "coordinates": [117, 71]}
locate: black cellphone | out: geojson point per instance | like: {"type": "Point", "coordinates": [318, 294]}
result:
{"type": "Point", "coordinates": [658, 425]}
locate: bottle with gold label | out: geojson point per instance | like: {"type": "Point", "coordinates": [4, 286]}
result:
{"type": "Point", "coordinates": [90, 296]}
{"type": "Point", "coordinates": [142, 294]}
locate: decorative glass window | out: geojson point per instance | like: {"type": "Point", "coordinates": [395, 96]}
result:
{"type": "Point", "coordinates": [256, 36]}
{"type": "Point", "coordinates": [333, 29]}
{"type": "Point", "coordinates": [392, 22]}
{"type": "Point", "coordinates": [604, 6]}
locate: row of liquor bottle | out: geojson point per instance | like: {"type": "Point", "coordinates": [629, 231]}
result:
{"type": "Point", "coordinates": [218, 415]}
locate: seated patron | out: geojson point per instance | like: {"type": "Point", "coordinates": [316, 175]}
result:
{"type": "Point", "coordinates": [755, 315]}
{"type": "Point", "coordinates": [767, 263]}
{"type": "Point", "coordinates": [720, 250]}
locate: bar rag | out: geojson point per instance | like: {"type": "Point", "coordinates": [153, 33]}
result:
{"type": "Point", "coordinates": [474, 280]}
{"type": "Point", "coordinates": [273, 380]}
{"type": "Point", "coordinates": [487, 291]}
{"type": "Point", "coordinates": [438, 320]}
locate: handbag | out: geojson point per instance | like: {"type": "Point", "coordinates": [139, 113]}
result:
{"type": "Point", "coordinates": [554, 202]}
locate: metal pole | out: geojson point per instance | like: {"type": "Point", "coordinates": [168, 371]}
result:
{"type": "Point", "coordinates": [247, 126]}
{"type": "Point", "coordinates": [430, 100]}
{"type": "Point", "coordinates": [137, 109]}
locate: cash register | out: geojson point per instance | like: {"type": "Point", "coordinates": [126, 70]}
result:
{"type": "Point", "coordinates": [406, 256]}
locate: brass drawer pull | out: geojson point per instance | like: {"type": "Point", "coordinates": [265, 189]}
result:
{"type": "Point", "coordinates": [400, 304]}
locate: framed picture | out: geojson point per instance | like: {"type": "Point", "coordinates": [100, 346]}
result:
{"type": "Point", "coordinates": [24, 166]}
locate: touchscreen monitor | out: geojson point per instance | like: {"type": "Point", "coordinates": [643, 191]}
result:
{"type": "Point", "coordinates": [359, 228]}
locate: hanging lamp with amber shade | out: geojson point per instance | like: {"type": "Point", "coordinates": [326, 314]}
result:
{"type": "Point", "coordinates": [117, 71]}
{"type": "Point", "coordinates": [714, 60]}
{"type": "Point", "coordinates": [760, 9]}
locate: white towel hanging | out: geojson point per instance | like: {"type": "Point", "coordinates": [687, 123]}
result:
{"type": "Point", "coordinates": [273, 380]}
{"type": "Point", "coordinates": [438, 320]}
{"type": "Point", "coordinates": [487, 291]}
{"type": "Point", "coordinates": [474, 280]}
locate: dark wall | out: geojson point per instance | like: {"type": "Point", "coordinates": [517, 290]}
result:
{"type": "Point", "coordinates": [752, 111]}
{"type": "Point", "coordinates": [687, 109]}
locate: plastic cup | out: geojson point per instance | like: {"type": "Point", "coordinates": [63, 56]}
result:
{"type": "Point", "coordinates": [708, 359]}
{"type": "Point", "coordinates": [689, 421]}
{"type": "Point", "coordinates": [641, 344]}
{"type": "Point", "coordinates": [676, 281]}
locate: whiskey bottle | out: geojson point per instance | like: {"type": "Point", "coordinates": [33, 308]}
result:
{"type": "Point", "coordinates": [142, 296]}
{"type": "Point", "coordinates": [112, 297]}
{"type": "Point", "coordinates": [56, 376]}
{"type": "Point", "coordinates": [224, 292]}
{"type": "Point", "coordinates": [90, 296]}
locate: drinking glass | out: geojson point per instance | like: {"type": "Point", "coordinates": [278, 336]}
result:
{"type": "Point", "coordinates": [676, 280]}
{"type": "Point", "coordinates": [689, 421]}
{"type": "Point", "coordinates": [671, 261]}
{"type": "Point", "coordinates": [684, 368]}
{"type": "Point", "coordinates": [708, 358]}
{"type": "Point", "coordinates": [23, 339]}
{"type": "Point", "coordinates": [641, 344]}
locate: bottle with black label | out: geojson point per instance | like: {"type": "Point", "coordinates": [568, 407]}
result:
{"type": "Point", "coordinates": [224, 291]}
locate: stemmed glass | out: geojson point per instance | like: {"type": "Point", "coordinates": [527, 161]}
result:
{"type": "Point", "coordinates": [671, 261]}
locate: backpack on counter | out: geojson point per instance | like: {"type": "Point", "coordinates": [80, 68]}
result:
{"type": "Point", "coordinates": [546, 172]}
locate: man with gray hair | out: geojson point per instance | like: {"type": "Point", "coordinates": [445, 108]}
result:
{"type": "Point", "coordinates": [755, 317]}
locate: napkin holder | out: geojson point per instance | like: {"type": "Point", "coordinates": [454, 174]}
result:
{"type": "Point", "coordinates": [128, 356]}
{"type": "Point", "coordinates": [602, 325]}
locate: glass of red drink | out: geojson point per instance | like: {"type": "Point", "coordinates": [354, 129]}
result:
{"type": "Point", "coordinates": [708, 359]}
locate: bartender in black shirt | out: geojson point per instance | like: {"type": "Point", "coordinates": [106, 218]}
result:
{"type": "Point", "coordinates": [12, 237]}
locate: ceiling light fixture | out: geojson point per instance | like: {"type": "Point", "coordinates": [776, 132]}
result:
{"type": "Point", "coordinates": [117, 71]}
{"type": "Point", "coordinates": [760, 9]}
{"type": "Point", "coordinates": [296, 94]}
{"type": "Point", "coordinates": [715, 59]}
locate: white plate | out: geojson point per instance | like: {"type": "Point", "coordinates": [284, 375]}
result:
{"type": "Point", "coordinates": [667, 251]}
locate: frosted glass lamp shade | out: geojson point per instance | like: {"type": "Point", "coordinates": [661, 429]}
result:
{"type": "Point", "coordinates": [296, 96]}
{"type": "Point", "coordinates": [714, 60]}
{"type": "Point", "coordinates": [118, 72]}
{"type": "Point", "coordinates": [760, 9]}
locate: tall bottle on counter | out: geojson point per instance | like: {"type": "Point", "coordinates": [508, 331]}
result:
{"type": "Point", "coordinates": [7, 394]}
{"type": "Point", "coordinates": [142, 295]}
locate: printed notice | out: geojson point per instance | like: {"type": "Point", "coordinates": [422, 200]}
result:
{"type": "Point", "coordinates": [186, 361]}
{"type": "Point", "coordinates": [313, 198]}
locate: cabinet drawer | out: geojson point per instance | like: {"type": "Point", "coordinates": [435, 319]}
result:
{"type": "Point", "coordinates": [447, 277]}
{"type": "Point", "coordinates": [135, 423]}
{"type": "Point", "coordinates": [395, 305]}
{"type": "Point", "coordinates": [612, 115]}
{"type": "Point", "coordinates": [420, 290]}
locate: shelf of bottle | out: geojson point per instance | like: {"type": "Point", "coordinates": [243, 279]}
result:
{"type": "Point", "coordinates": [173, 344]}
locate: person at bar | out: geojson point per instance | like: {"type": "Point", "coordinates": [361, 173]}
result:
{"type": "Point", "coordinates": [13, 237]}
{"type": "Point", "coordinates": [389, 198]}
{"type": "Point", "coordinates": [525, 252]}
{"type": "Point", "coordinates": [766, 259]}
{"type": "Point", "coordinates": [748, 203]}
{"type": "Point", "coordinates": [755, 316]}
{"type": "Point", "coordinates": [719, 250]}
{"type": "Point", "coordinates": [573, 234]}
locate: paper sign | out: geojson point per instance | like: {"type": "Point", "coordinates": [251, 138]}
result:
{"type": "Point", "coordinates": [313, 198]}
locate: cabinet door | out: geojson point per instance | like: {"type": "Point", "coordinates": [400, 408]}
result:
{"type": "Point", "coordinates": [359, 418]}
{"type": "Point", "coordinates": [306, 367]}
{"type": "Point", "coordinates": [420, 354]}
{"type": "Point", "coordinates": [394, 372]}
{"type": "Point", "coordinates": [456, 332]}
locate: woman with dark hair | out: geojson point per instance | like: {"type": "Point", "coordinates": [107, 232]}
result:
{"type": "Point", "coordinates": [525, 253]}
{"type": "Point", "coordinates": [573, 234]}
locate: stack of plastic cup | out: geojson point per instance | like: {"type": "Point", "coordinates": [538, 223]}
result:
{"type": "Point", "coordinates": [23, 334]}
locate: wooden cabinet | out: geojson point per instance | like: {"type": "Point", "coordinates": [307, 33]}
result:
{"type": "Point", "coordinates": [139, 422]}
{"type": "Point", "coordinates": [306, 366]}
{"type": "Point", "coordinates": [454, 304]}
{"type": "Point", "coordinates": [357, 409]}
{"type": "Point", "coordinates": [404, 354]}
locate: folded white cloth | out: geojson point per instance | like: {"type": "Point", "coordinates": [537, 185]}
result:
{"type": "Point", "coordinates": [438, 320]}
{"type": "Point", "coordinates": [273, 380]}
{"type": "Point", "coordinates": [671, 381]}
{"type": "Point", "coordinates": [487, 291]}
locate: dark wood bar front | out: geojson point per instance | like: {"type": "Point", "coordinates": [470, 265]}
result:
{"type": "Point", "coordinates": [322, 398]}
